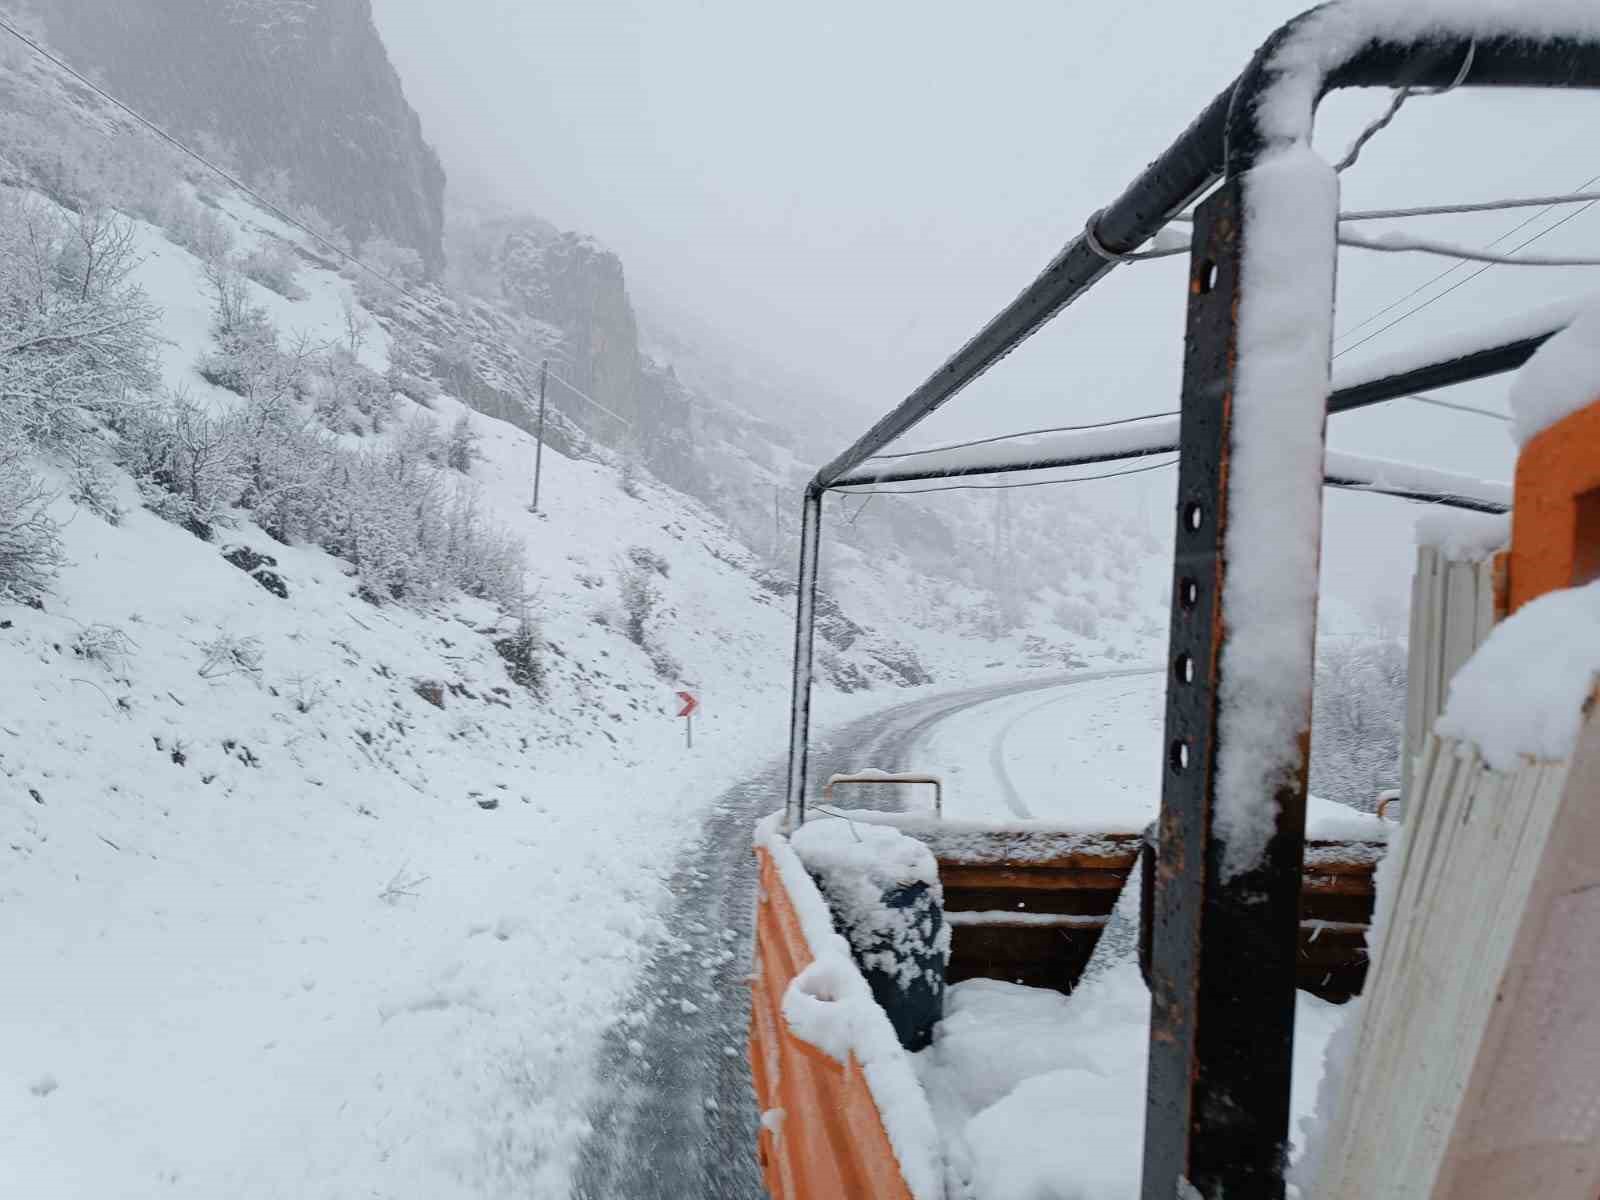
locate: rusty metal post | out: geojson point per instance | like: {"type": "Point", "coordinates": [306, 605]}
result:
{"type": "Point", "coordinates": [805, 624]}
{"type": "Point", "coordinates": [1223, 956]}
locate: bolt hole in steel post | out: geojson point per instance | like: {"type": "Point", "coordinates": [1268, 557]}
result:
{"type": "Point", "coordinates": [1205, 277]}
{"type": "Point", "coordinates": [1183, 669]}
{"type": "Point", "coordinates": [1188, 593]}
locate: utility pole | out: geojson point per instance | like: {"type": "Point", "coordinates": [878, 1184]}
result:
{"type": "Point", "coordinates": [538, 450]}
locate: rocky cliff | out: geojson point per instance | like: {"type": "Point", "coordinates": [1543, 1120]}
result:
{"type": "Point", "coordinates": [298, 90]}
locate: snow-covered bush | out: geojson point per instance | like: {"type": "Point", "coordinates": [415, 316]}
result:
{"type": "Point", "coordinates": [410, 372]}
{"type": "Point", "coordinates": [229, 654]}
{"type": "Point", "coordinates": [30, 544]}
{"type": "Point", "coordinates": [189, 463]}
{"type": "Point", "coordinates": [246, 357]}
{"type": "Point", "coordinates": [461, 449]}
{"type": "Point", "coordinates": [1358, 722]}
{"type": "Point", "coordinates": [400, 264]}
{"type": "Point", "coordinates": [350, 396]}
{"type": "Point", "coordinates": [274, 266]}
{"type": "Point", "coordinates": [636, 588]}
{"type": "Point", "coordinates": [93, 488]}
{"type": "Point", "coordinates": [523, 651]}
{"type": "Point", "coordinates": [640, 596]}
{"type": "Point", "coordinates": [104, 644]}
{"type": "Point", "coordinates": [198, 229]}
{"type": "Point", "coordinates": [79, 339]}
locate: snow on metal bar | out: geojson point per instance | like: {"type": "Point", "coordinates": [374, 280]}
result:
{"type": "Point", "coordinates": [1456, 358]}
{"type": "Point", "coordinates": [1030, 452]}
{"type": "Point", "coordinates": [1388, 477]}
{"type": "Point", "coordinates": [1047, 450]}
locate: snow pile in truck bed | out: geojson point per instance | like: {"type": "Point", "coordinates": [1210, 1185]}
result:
{"type": "Point", "coordinates": [1523, 693]}
{"type": "Point", "coordinates": [1562, 377]}
{"type": "Point", "coordinates": [857, 866]}
{"type": "Point", "coordinates": [1042, 1095]}
{"type": "Point", "coordinates": [830, 1006]}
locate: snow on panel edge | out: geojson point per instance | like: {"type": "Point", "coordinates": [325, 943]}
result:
{"type": "Point", "coordinates": [1523, 693]}
{"type": "Point", "coordinates": [1562, 377]}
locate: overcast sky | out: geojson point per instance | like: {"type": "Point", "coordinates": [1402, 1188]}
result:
{"type": "Point", "coordinates": [852, 188]}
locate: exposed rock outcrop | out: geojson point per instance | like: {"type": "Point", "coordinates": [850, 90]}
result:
{"type": "Point", "coordinates": [299, 87]}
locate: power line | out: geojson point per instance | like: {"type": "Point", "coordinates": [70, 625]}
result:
{"type": "Point", "coordinates": [261, 200]}
{"type": "Point", "coordinates": [1409, 245]}
{"type": "Point", "coordinates": [1448, 210]}
{"type": "Point", "coordinates": [1466, 408]}
{"type": "Point", "coordinates": [199, 158]}
{"type": "Point", "coordinates": [1458, 266]}
{"type": "Point", "coordinates": [1410, 312]}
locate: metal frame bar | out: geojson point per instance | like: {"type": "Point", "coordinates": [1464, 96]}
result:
{"type": "Point", "coordinates": [794, 807]}
{"type": "Point", "coordinates": [1222, 1021]}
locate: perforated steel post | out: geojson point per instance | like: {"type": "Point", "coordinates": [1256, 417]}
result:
{"type": "Point", "coordinates": [1223, 955]}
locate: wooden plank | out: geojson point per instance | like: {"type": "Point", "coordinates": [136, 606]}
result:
{"type": "Point", "coordinates": [1050, 879]}
{"type": "Point", "coordinates": [1467, 862]}
{"type": "Point", "coordinates": [1529, 1123]}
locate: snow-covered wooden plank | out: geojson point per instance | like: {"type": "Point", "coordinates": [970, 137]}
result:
{"type": "Point", "coordinates": [1530, 1118]}
{"type": "Point", "coordinates": [1476, 842]}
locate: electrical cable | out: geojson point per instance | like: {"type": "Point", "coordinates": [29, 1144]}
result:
{"type": "Point", "coordinates": [1463, 281]}
{"type": "Point", "coordinates": [1395, 244]}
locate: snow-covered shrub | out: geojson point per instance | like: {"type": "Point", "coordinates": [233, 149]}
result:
{"type": "Point", "coordinates": [420, 439]}
{"type": "Point", "coordinates": [93, 488]}
{"type": "Point", "coordinates": [410, 372]}
{"type": "Point", "coordinates": [285, 462]}
{"type": "Point", "coordinates": [350, 396]}
{"type": "Point", "coordinates": [189, 463]}
{"type": "Point", "coordinates": [461, 448]}
{"type": "Point", "coordinates": [246, 356]}
{"type": "Point", "coordinates": [1358, 722]}
{"type": "Point", "coordinates": [229, 654]}
{"type": "Point", "coordinates": [30, 544]}
{"type": "Point", "coordinates": [628, 476]}
{"type": "Point", "coordinates": [639, 594]}
{"type": "Point", "coordinates": [104, 644]}
{"type": "Point", "coordinates": [483, 559]}
{"type": "Point", "coordinates": [523, 651]}
{"type": "Point", "coordinates": [199, 230]}
{"type": "Point", "coordinates": [274, 266]}
{"type": "Point", "coordinates": [77, 338]}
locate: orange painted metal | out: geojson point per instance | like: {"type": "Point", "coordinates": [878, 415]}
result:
{"type": "Point", "coordinates": [1555, 515]}
{"type": "Point", "coordinates": [829, 1143]}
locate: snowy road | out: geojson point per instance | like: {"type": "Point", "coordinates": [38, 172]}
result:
{"type": "Point", "coordinates": [676, 1117]}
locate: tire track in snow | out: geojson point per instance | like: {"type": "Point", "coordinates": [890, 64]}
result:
{"type": "Point", "coordinates": [997, 749]}
{"type": "Point", "coordinates": [674, 1115]}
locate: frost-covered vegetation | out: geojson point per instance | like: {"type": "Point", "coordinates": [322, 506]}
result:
{"type": "Point", "coordinates": [1359, 718]}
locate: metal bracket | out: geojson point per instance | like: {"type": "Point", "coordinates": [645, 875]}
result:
{"type": "Point", "coordinates": [888, 777]}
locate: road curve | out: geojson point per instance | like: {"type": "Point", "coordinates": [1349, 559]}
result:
{"type": "Point", "coordinates": [676, 1117]}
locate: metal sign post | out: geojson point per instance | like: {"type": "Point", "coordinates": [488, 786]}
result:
{"type": "Point", "coordinates": [690, 704]}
